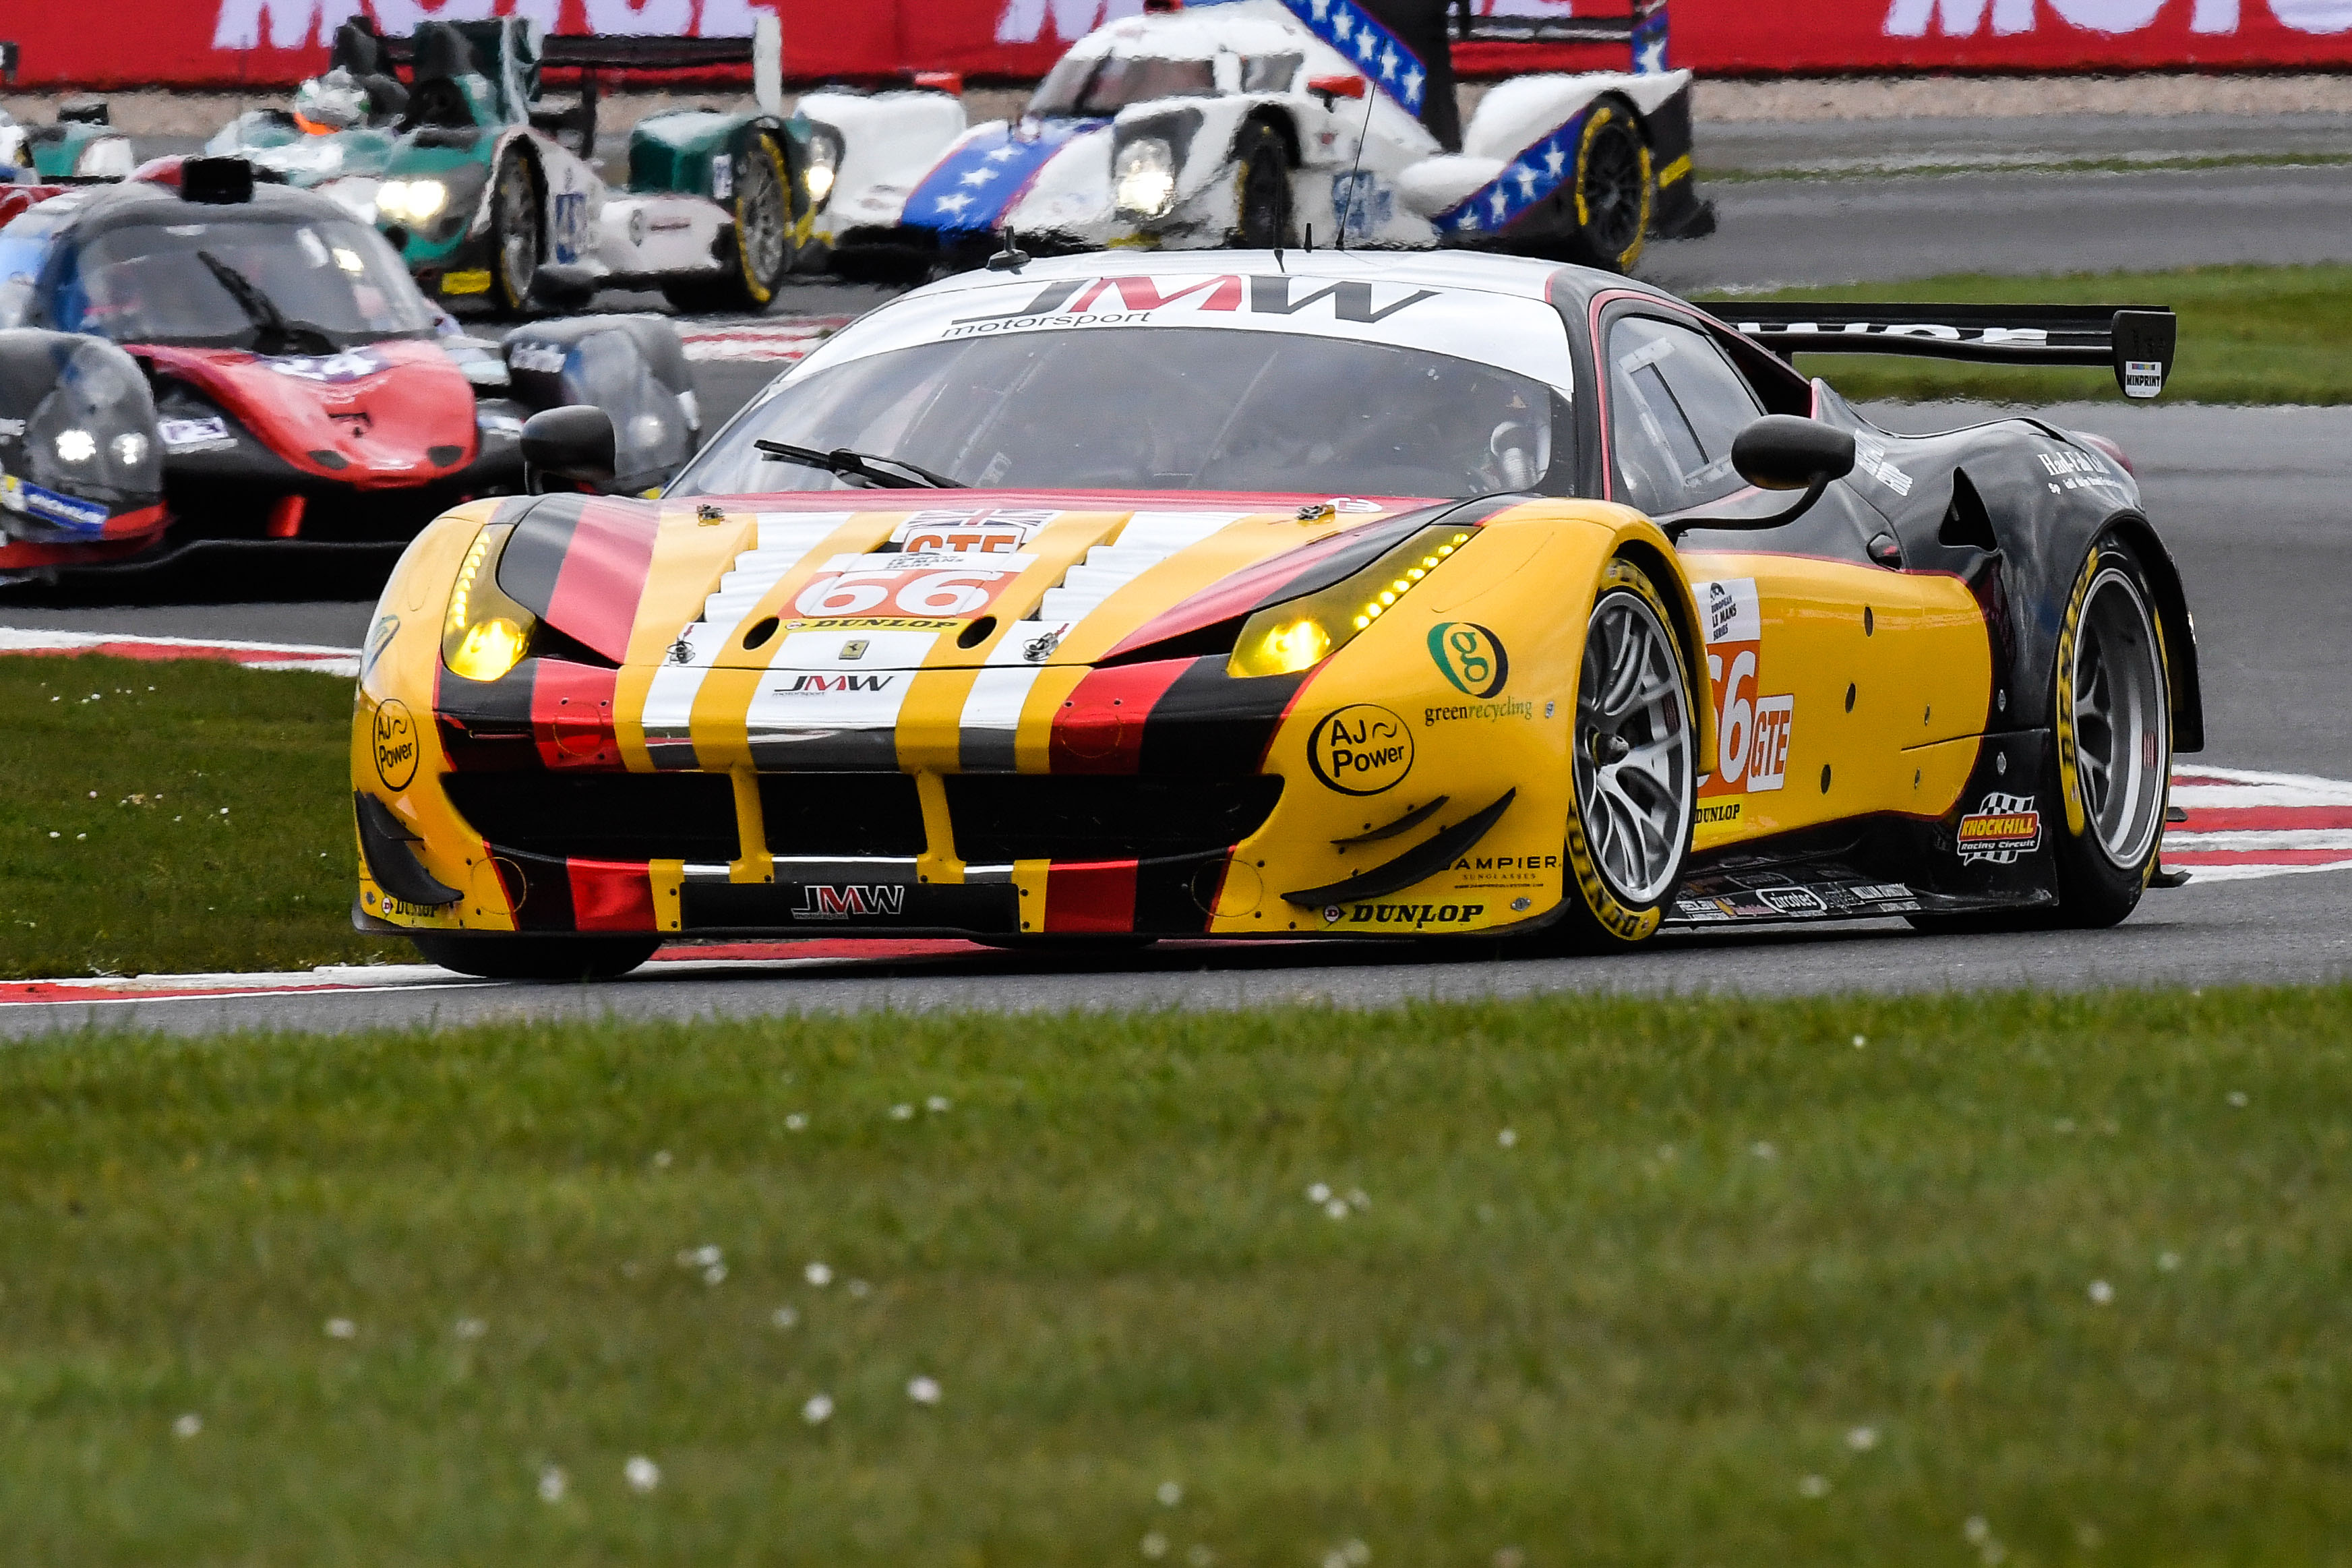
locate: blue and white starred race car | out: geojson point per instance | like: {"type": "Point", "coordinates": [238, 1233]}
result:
{"type": "Point", "coordinates": [1264, 123]}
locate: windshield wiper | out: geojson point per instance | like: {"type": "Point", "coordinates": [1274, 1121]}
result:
{"type": "Point", "coordinates": [271, 326]}
{"type": "Point", "coordinates": [860, 465]}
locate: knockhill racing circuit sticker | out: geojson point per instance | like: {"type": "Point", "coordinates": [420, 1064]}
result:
{"type": "Point", "coordinates": [1469, 656]}
{"type": "Point", "coordinates": [1752, 731]}
{"type": "Point", "coordinates": [396, 744]}
{"type": "Point", "coordinates": [2002, 828]}
{"type": "Point", "coordinates": [1362, 748]}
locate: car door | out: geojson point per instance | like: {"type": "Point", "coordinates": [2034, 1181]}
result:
{"type": "Point", "coordinates": [1842, 688]}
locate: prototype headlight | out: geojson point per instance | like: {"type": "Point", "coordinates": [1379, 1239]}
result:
{"type": "Point", "coordinates": [1143, 180]}
{"type": "Point", "coordinates": [485, 632]}
{"type": "Point", "coordinates": [417, 201]}
{"type": "Point", "coordinates": [823, 166]}
{"type": "Point", "coordinates": [1301, 633]}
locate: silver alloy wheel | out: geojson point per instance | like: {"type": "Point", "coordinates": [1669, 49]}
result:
{"type": "Point", "coordinates": [2122, 723]}
{"type": "Point", "coordinates": [1636, 781]}
{"type": "Point", "coordinates": [760, 221]}
{"type": "Point", "coordinates": [517, 233]}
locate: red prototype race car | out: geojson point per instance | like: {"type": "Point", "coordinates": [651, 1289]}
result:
{"type": "Point", "coordinates": [227, 363]}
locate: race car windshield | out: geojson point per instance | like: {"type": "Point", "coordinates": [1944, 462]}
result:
{"type": "Point", "coordinates": [1160, 410]}
{"type": "Point", "coordinates": [1108, 84]}
{"type": "Point", "coordinates": [151, 283]}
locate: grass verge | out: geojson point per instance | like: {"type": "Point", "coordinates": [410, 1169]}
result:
{"type": "Point", "coordinates": [2248, 334]}
{"type": "Point", "coordinates": [1916, 1280]}
{"type": "Point", "coordinates": [173, 817]}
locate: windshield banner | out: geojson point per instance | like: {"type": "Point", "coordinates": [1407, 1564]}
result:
{"type": "Point", "coordinates": [276, 43]}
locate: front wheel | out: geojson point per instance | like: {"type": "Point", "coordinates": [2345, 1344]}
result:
{"type": "Point", "coordinates": [1264, 197]}
{"type": "Point", "coordinates": [2114, 721]}
{"type": "Point", "coordinates": [534, 957]}
{"type": "Point", "coordinates": [514, 234]}
{"type": "Point", "coordinates": [1635, 764]}
{"type": "Point", "coordinates": [1612, 198]}
{"type": "Point", "coordinates": [764, 239]}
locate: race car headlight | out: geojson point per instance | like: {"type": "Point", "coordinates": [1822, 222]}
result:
{"type": "Point", "coordinates": [415, 201]}
{"type": "Point", "coordinates": [76, 446]}
{"type": "Point", "coordinates": [485, 632]}
{"type": "Point", "coordinates": [823, 167]}
{"type": "Point", "coordinates": [1143, 180]}
{"type": "Point", "coordinates": [1298, 634]}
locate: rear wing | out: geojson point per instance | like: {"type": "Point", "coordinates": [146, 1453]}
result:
{"type": "Point", "coordinates": [2135, 342]}
{"type": "Point", "coordinates": [763, 51]}
{"type": "Point", "coordinates": [1642, 29]}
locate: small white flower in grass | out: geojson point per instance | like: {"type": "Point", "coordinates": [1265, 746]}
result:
{"type": "Point", "coordinates": [1336, 1208]}
{"type": "Point", "coordinates": [923, 1390]}
{"type": "Point", "coordinates": [1814, 1486]}
{"type": "Point", "coordinates": [902, 1112]}
{"type": "Point", "coordinates": [1862, 1439]}
{"type": "Point", "coordinates": [1508, 1137]}
{"type": "Point", "coordinates": [471, 1327]}
{"type": "Point", "coordinates": [642, 1473]}
{"type": "Point", "coordinates": [1199, 1557]}
{"type": "Point", "coordinates": [701, 1257]}
{"type": "Point", "coordinates": [1763, 1150]}
{"type": "Point", "coordinates": [191, 1424]}
{"type": "Point", "coordinates": [342, 1329]}
{"type": "Point", "coordinates": [223, 811]}
{"type": "Point", "coordinates": [857, 1290]}
{"type": "Point", "coordinates": [785, 1317]}
{"type": "Point", "coordinates": [93, 794]}
{"type": "Point", "coordinates": [2063, 1125]}
{"type": "Point", "coordinates": [2101, 1293]}
{"type": "Point", "coordinates": [795, 1122]}
{"type": "Point", "coordinates": [818, 1275]}
{"type": "Point", "coordinates": [714, 1274]}
{"type": "Point", "coordinates": [1860, 1041]}
{"type": "Point", "coordinates": [552, 1483]}
{"type": "Point", "coordinates": [1357, 1554]}
{"type": "Point", "coordinates": [2168, 1261]}
{"type": "Point", "coordinates": [1321, 1192]}
{"type": "Point", "coordinates": [818, 1410]}
{"type": "Point", "coordinates": [1170, 1494]}
{"type": "Point", "coordinates": [1509, 1557]}
{"type": "Point", "coordinates": [1356, 1198]}
{"type": "Point", "coordinates": [61, 836]}
{"type": "Point", "coordinates": [80, 836]}
{"type": "Point", "coordinates": [661, 1158]}
{"type": "Point", "coordinates": [2238, 1098]}
{"type": "Point", "coordinates": [1155, 1546]}
{"type": "Point", "coordinates": [1976, 1530]}
{"type": "Point", "coordinates": [936, 1104]}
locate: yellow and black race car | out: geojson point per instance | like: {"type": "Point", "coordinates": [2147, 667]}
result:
{"type": "Point", "coordinates": [1303, 595]}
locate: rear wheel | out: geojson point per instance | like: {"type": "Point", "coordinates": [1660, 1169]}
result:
{"type": "Point", "coordinates": [1611, 196]}
{"type": "Point", "coordinates": [764, 239]}
{"type": "Point", "coordinates": [1265, 190]}
{"type": "Point", "coordinates": [1634, 763]}
{"type": "Point", "coordinates": [2110, 772]}
{"type": "Point", "coordinates": [534, 957]}
{"type": "Point", "coordinates": [514, 234]}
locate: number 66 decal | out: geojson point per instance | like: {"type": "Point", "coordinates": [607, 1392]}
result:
{"type": "Point", "coordinates": [933, 594]}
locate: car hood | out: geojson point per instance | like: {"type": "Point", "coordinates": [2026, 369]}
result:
{"type": "Point", "coordinates": [379, 415]}
{"type": "Point", "coordinates": [928, 579]}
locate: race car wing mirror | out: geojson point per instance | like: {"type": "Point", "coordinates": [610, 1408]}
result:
{"type": "Point", "coordinates": [1330, 88]}
{"type": "Point", "coordinates": [1782, 452]}
{"type": "Point", "coordinates": [573, 445]}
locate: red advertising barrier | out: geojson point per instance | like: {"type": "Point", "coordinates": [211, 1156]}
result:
{"type": "Point", "coordinates": [274, 43]}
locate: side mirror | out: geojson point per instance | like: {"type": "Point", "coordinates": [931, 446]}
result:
{"type": "Point", "coordinates": [574, 444]}
{"type": "Point", "coordinates": [1332, 88]}
{"type": "Point", "coordinates": [1783, 452]}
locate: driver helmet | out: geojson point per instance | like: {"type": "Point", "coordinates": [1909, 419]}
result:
{"type": "Point", "coordinates": [326, 104]}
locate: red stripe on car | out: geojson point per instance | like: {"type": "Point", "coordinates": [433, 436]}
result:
{"type": "Point", "coordinates": [1090, 896]}
{"type": "Point", "coordinates": [610, 895]}
{"type": "Point", "coordinates": [595, 598]}
{"type": "Point", "coordinates": [1100, 729]}
{"type": "Point", "coordinates": [572, 715]}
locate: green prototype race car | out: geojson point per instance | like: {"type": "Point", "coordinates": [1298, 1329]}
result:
{"type": "Point", "coordinates": [490, 196]}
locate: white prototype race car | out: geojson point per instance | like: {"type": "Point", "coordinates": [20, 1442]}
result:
{"type": "Point", "coordinates": [1263, 124]}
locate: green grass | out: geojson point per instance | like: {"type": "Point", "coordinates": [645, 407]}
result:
{"type": "Point", "coordinates": [2248, 334]}
{"type": "Point", "coordinates": [1911, 167]}
{"type": "Point", "coordinates": [173, 818]}
{"type": "Point", "coordinates": [1726, 1240]}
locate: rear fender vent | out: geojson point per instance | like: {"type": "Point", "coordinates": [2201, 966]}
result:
{"type": "Point", "coordinates": [1967, 524]}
